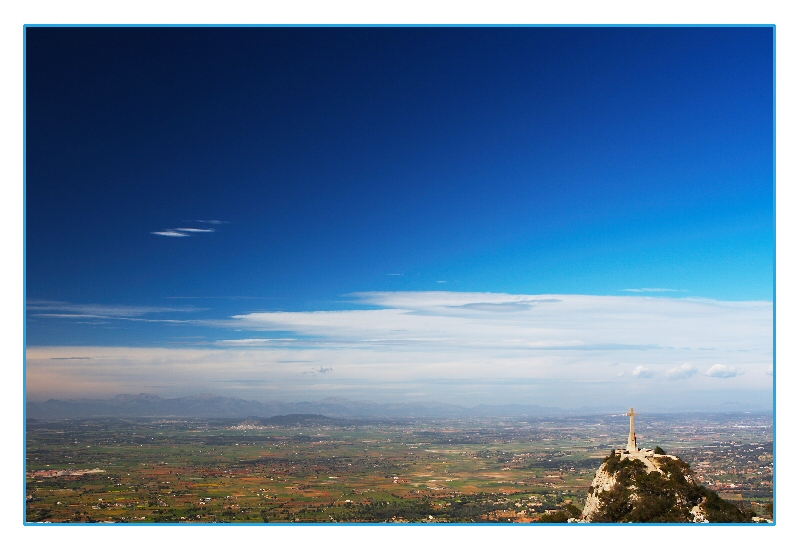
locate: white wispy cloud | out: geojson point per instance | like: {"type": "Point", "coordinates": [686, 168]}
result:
{"type": "Point", "coordinates": [169, 233]}
{"type": "Point", "coordinates": [643, 372]}
{"type": "Point", "coordinates": [51, 308]}
{"type": "Point", "coordinates": [188, 231]}
{"type": "Point", "coordinates": [684, 371]}
{"type": "Point", "coordinates": [532, 322]}
{"type": "Point", "coordinates": [255, 341]}
{"type": "Point", "coordinates": [653, 290]}
{"type": "Point", "coordinates": [723, 371]}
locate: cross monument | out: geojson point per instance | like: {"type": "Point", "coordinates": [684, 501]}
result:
{"type": "Point", "coordinates": [632, 448]}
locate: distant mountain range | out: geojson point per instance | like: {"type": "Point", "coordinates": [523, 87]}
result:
{"type": "Point", "coordinates": [215, 406]}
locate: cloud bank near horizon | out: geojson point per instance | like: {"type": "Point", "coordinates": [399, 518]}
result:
{"type": "Point", "coordinates": [459, 347]}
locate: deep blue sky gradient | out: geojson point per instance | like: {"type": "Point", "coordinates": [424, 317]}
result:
{"type": "Point", "coordinates": [521, 160]}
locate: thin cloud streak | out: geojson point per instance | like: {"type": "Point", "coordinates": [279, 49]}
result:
{"type": "Point", "coordinates": [105, 310]}
{"type": "Point", "coordinates": [652, 290]}
{"type": "Point", "coordinates": [67, 311]}
{"type": "Point", "coordinates": [188, 231]}
{"type": "Point", "coordinates": [169, 233]}
{"type": "Point", "coordinates": [255, 341]}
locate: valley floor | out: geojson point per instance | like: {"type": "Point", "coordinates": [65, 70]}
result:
{"type": "Point", "coordinates": [334, 470]}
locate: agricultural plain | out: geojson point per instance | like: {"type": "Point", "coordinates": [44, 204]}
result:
{"type": "Point", "coordinates": [308, 468]}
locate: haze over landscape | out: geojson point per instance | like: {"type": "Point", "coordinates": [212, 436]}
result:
{"type": "Point", "coordinates": [538, 216]}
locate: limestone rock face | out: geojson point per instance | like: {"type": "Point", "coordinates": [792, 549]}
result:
{"type": "Point", "coordinates": [644, 487]}
{"type": "Point", "coordinates": [603, 482]}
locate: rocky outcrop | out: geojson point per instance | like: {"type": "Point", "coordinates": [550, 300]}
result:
{"type": "Point", "coordinates": [603, 482]}
{"type": "Point", "coordinates": [648, 487]}
{"type": "Point", "coordinates": [698, 515]}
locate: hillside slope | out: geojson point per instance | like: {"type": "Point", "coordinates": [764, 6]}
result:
{"type": "Point", "coordinates": [649, 487]}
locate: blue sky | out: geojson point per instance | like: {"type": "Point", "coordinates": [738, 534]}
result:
{"type": "Point", "coordinates": [305, 165]}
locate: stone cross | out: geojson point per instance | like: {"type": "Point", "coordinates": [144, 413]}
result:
{"type": "Point", "coordinates": [631, 448]}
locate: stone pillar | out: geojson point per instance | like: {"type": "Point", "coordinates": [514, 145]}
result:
{"type": "Point", "coordinates": [631, 448]}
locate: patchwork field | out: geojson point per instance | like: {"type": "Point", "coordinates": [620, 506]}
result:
{"type": "Point", "coordinates": [317, 469]}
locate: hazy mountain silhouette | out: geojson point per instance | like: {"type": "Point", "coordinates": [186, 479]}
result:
{"type": "Point", "coordinates": [215, 406]}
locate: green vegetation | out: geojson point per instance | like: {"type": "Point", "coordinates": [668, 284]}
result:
{"type": "Point", "coordinates": [650, 497]}
{"type": "Point", "coordinates": [718, 510]}
{"type": "Point", "coordinates": [570, 511]}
